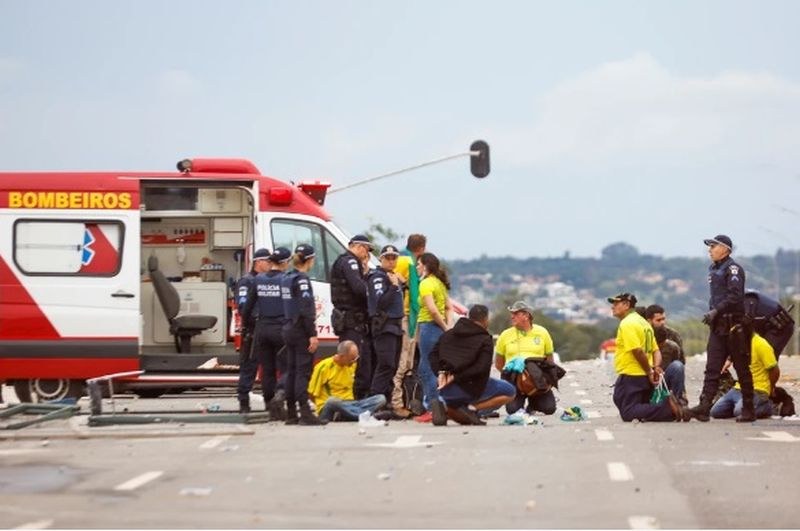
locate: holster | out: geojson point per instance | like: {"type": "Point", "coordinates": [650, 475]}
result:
{"type": "Point", "coordinates": [780, 320]}
{"type": "Point", "coordinates": [739, 339]}
{"type": "Point", "coordinates": [379, 321]}
{"type": "Point", "coordinates": [337, 321]}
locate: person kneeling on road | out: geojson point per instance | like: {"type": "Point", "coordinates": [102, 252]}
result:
{"type": "Point", "coordinates": [765, 371]}
{"type": "Point", "coordinates": [331, 387]}
{"type": "Point", "coordinates": [637, 362]}
{"type": "Point", "coordinates": [463, 359]}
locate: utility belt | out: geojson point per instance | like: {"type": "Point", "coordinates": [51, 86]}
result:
{"type": "Point", "coordinates": [381, 320]}
{"type": "Point", "coordinates": [728, 323]}
{"type": "Point", "coordinates": [342, 320]}
{"type": "Point", "coordinates": [274, 319]}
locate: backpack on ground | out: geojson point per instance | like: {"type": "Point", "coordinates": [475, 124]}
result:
{"type": "Point", "coordinates": [412, 393]}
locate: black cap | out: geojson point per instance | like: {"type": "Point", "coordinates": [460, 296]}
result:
{"type": "Point", "coordinates": [630, 297]}
{"type": "Point", "coordinates": [305, 251]}
{"type": "Point", "coordinates": [361, 239]}
{"type": "Point", "coordinates": [261, 254]}
{"type": "Point", "coordinates": [389, 250]}
{"type": "Point", "coordinates": [720, 239]}
{"type": "Point", "coordinates": [280, 254]}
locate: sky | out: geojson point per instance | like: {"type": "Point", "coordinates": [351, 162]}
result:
{"type": "Point", "coordinates": [653, 123]}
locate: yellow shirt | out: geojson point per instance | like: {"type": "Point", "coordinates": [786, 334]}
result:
{"type": "Point", "coordinates": [404, 263]}
{"type": "Point", "coordinates": [331, 379]}
{"type": "Point", "coordinates": [514, 343]}
{"type": "Point", "coordinates": [431, 285]}
{"type": "Point", "coordinates": [634, 332]}
{"type": "Point", "coordinates": [762, 359]}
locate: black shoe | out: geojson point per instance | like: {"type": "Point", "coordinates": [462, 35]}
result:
{"type": "Point", "coordinates": [244, 407]}
{"type": "Point", "coordinates": [465, 416]}
{"type": "Point", "coordinates": [386, 414]}
{"type": "Point", "coordinates": [490, 415]}
{"type": "Point", "coordinates": [307, 418]}
{"type": "Point", "coordinates": [748, 414]}
{"type": "Point", "coordinates": [276, 410]}
{"type": "Point", "coordinates": [701, 411]}
{"type": "Point", "coordinates": [679, 412]}
{"type": "Point", "coordinates": [292, 421]}
{"type": "Point", "coordinates": [439, 413]}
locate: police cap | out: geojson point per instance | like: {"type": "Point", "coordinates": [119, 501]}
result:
{"type": "Point", "coordinates": [305, 251]}
{"type": "Point", "coordinates": [389, 250]}
{"type": "Point", "coordinates": [361, 240]}
{"type": "Point", "coordinates": [720, 239]}
{"type": "Point", "coordinates": [280, 254]}
{"type": "Point", "coordinates": [261, 254]}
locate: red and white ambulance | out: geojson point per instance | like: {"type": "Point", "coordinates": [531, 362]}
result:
{"type": "Point", "coordinates": [77, 297]}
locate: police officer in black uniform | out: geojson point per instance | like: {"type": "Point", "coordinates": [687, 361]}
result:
{"type": "Point", "coordinates": [731, 333]}
{"type": "Point", "coordinates": [280, 260]}
{"type": "Point", "coordinates": [248, 364]}
{"type": "Point", "coordinates": [770, 320]}
{"type": "Point", "coordinates": [385, 308]}
{"type": "Point", "coordinates": [300, 336]}
{"type": "Point", "coordinates": [264, 297]}
{"type": "Point", "coordinates": [349, 298]}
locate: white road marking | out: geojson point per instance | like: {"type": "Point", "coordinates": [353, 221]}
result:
{"type": "Point", "coordinates": [643, 522]}
{"type": "Point", "coordinates": [603, 435]}
{"type": "Point", "coordinates": [22, 451]}
{"type": "Point", "coordinates": [580, 392]}
{"type": "Point", "coordinates": [38, 524]}
{"type": "Point", "coordinates": [593, 414]}
{"type": "Point", "coordinates": [586, 401]}
{"type": "Point", "coordinates": [213, 443]}
{"type": "Point", "coordinates": [724, 463]}
{"type": "Point", "coordinates": [140, 480]}
{"type": "Point", "coordinates": [776, 436]}
{"type": "Point", "coordinates": [574, 384]}
{"type": "Point", "coordinates": [405, 441]}
{"type": "Point", "coordinates": [619, 472]}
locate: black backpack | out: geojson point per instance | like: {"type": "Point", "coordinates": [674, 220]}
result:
{"type": "Point", "coordinates": [412, 393]}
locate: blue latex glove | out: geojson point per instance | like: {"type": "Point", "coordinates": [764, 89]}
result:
{"type": "Point", "coordinates": [515, 365]}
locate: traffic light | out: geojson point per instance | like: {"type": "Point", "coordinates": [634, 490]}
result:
{"type": "Point", "coordinates": [479, 159]}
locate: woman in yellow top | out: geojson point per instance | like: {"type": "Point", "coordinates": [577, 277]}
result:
{"type": "Point", "coordinates": [434, 315]}
{"type": "Point", "coordinates": [525, 340]}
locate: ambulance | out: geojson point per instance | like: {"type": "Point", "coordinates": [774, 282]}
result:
{"type": "Point", "coordinates": [115, 272]}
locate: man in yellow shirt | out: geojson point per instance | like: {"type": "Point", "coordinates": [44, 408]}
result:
{"type": "Point", "coordinates": [765, 371]}
{"type": "Point", "coordinates": [524, 339]}
{"type": "Point", "coordinates": [636, 361]}
{"type": "Point", "coordinates": [331, 387]}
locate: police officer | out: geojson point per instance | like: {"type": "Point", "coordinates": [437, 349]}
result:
{"type": "Point", "coordinates": [349, 298]}
{"type": "Point", "coordinates": [300, 335]}
{"type": "Point", "coordinates": [279, 261]}
{"type": "Point", "coordinates": [247, 363]}
{"type": "Point", "coordinates": [731, 333]}
{"type": "Point", "coordinates": [770, 320]}
{"type": "Point", "coordinates": [385, 308]}
{"type": "Point", "coordinates": [264, 297]}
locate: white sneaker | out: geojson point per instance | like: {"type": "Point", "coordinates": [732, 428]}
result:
{"type": "Point", "coordinates": [366, 420]}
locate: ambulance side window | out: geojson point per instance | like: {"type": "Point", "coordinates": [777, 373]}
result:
{"type": "Point", "coordinates": [289, 233]}
{"type": "Point", "coordinates": [82, 248]}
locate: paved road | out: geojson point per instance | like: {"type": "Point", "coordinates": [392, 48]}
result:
{"type": "Point", "coordinates": [599, 473]}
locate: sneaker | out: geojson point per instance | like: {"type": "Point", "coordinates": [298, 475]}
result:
{"type": "Point", "coordinates": [439, 413]}
{"type": "Point", "coordinates": [425, 417]}
{"type": "Point", "coordinates": [572, 414]}
{"type": "Point", "coordinates": [366, 420]}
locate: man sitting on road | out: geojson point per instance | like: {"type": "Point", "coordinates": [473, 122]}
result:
{"type": "Point", "coordinates": [637, 363]}
{"type": "Point", "coordinates": [331, 387]}
{"type": "Point", "coordinates": [463, 359]}
{"type": "Point", "coordinates": [671, 365]}
{"type": "Point", "coordinates": [657, 318]}
{"type": "Point", "coordinates": [765, 371]}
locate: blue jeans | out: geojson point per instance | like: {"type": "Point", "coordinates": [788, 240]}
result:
{"type": "Point", "coordinates": [674, 377]}
{"type": "Point", "coordinates": [730, 405]}
{"type": "Point", "coordinates": [350, 409]}
{"type": "Point", "coordinates": [454, 396]}
{"type": "Point", "coordinates": [429, 334]}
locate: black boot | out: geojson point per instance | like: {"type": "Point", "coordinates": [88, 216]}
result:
{"type": "Point", "coordinates": [291, 414]}
{"type": "Point", "coordinates": [276, 409]}
{"type": "Point", "coordinates": [244, 406]}
{"type": "Point", "coordinates": [702, 410]}
{"type": "Point", "coordinates": [307, 418]}
{"type": "Point", "coordinates": [748, 413]}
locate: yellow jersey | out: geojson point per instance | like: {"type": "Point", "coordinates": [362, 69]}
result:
{"type": "Point", "coordinates": [331, 379]}
{"type": "Point", "coordinates": [634, 332]}
{"type": "Point", "coordinates": [404, 263]}
{"type": "Point", "coordinates": [514, 343]}
{"type": "Point", "coordinates": [431, 285]}
{"type": "Point", "coordinates": [762, 359]}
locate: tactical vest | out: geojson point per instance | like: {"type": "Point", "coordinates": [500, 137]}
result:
{"type": "Point", "coordinates": [395, 308]}
{"type": "Point", "coordinates": [718, 282]}
{"type": "Point", "coordinates": [342, 296]}
{"type": "Point", "coordinates": [268, 293]}
{"type": "Point", "coordinates": [291, 306]}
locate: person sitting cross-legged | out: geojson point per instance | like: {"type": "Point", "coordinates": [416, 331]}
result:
{"type": "Point", "coordinates": [463, 359]}
{"type": "Point", "coordinates": [331, 387]}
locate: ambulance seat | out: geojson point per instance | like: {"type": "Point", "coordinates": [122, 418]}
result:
{"type": "Point", "coordinates": [182, 327]}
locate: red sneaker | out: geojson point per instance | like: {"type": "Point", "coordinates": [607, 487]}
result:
{"type": "Point", "coordinates": [425, 417]}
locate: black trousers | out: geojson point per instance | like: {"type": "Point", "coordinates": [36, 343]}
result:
{"type": "Point", "coordinates": [387, 348]}
{"type": "Point", "coordinates": [546, 403]}
{"type": "Point", "coordinates": [299, 362]}
{"type": "Point", "coordinates": [721, 347]}
{"type": "Point", "coordinates": [366, 365]}
{"type": "Point", "coordinates": [247, 366]}
{"type": "Point", "coordinates": [266, 344]}
{"type": "Point", "coordinates": [632, 398]}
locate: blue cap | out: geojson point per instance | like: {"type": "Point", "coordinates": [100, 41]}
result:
{"type": "Point", "coordinates": [720, 239]}
{"type": "Point", "coordinates": [280, 254]}
{"type": "Point", "coordinates": [305, 251]}
{"type": "Point", "coordinates": [261, 254]}
{"type": "Point", "coordinates": [361, 239]}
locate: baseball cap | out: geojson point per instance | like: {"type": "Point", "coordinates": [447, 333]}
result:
{"type": "Point", "coordinates": [261, 254]}
{"type": "Point", "coordinates": [520, 306]}
{"type": "Point", "coordinates": [361, 239]}
{"type": "Point", "coordinates": [280, 254]}
{"type": "Point", "coordinates": [389, 250]}
{"type": "Point", "coordinates": [305, 251]}
{"type": "Point", "coordinates": [630, 297]}
{"type": "Point", "coordinates": [720, 239]}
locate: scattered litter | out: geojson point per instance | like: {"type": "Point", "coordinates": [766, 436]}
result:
{"type": "Point", "coordinates": [384, 476]}
{"type": "Point", "coordinates": [366, 420]}
{"type": "Point", "coordinates": [573, 414]}
{"type": "Point", "coordinates": [530, 505]}
{"type": "Point", "coordinates": [231, 448]}
{"type": "Point", "coordinates": [196, 491]}
{"type": "Point", "coordinates": [45, 443]}
{"type": "Point", "coordinates": [521, 418]}
{"type": "Point", "coordinates": [214, 407]}
{"type": "Point", "coordinates": [361, 431]}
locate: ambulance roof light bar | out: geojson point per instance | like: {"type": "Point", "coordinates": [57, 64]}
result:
{"type": "Point", "coordinates": [235, 166]}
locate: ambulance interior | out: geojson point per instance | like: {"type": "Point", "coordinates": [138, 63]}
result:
{"type": "Point", "coordinates": [196, 236]}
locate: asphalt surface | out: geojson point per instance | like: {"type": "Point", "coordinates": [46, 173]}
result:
{"type": "Point", "coordinates": [596, 473]}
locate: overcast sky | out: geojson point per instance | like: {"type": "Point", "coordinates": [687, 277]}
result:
{"type": "Point", "coordinates": [654, 123]}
